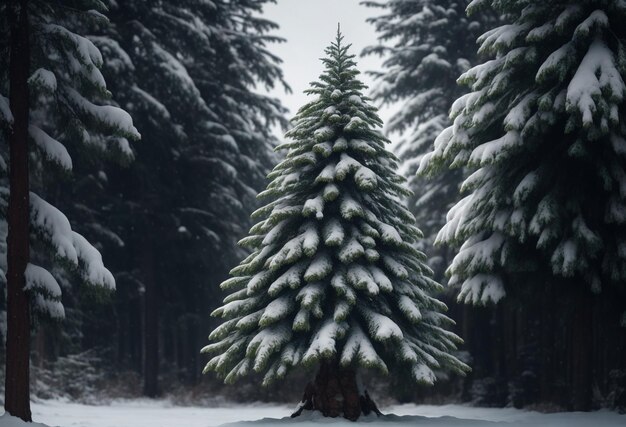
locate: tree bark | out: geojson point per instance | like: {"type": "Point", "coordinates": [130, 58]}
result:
{"type": "Point", "coordinates": [150, 324]}
{"type": "Point", "coordinates": [17, 391]}
{"type": "Point", "coordinates": [500, 371]}
{"type": "Point", "coordinates": [548, 308]}
{"type": "Point", "coordinates": [582, 342]}
{"type": "Point", "coordinates": [334, 393]}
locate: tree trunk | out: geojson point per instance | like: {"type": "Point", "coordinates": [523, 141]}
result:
{"type": "Point", "coordinates": [17, 391]}
{"type": "Point", "coordinates": [619, 402]}
{"type": "Point", "coordinates": [334, 392]}
{"type": "Point", "coordinates": [582, 342]}
{"type": "Point", "coordinates": [500, 373]}
{"type": "Point", "coordinates": [547, 346]}
{"type": "Point", "coordinates": [150, 324]}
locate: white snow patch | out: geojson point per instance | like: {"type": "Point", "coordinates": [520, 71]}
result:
{"type": "Point", "coordinates": [163, 413]}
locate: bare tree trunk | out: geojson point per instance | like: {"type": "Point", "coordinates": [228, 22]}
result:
{"type": "Point", "coordinates": [547, 346]}
{"type": "Point", "coordinates": [582, 342]}
{"type": "Point", "coordinates": [17, 391]}
{"type": "Point", "coordinates": [500, 369]}
{"type": "Point", "coordinates": [150, 324]}
{"type": "Point", "coordinates": [334, 393]}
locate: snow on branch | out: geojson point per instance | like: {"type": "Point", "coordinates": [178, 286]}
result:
{"type": "Point", "coordinates": [44, 78]}
{"type": "Point", "coordinates": [53, 149]}
{"type": "Point", "coordinates": [85, 53]}
{"type": "Point", "coordinates": [596, 74]}
{"type": "Point", "coordinates": [47, 292]}
{"type": "Point", "coordinates": [69, 245]}
{"type": "Point", "coordinates": [108, 115]}
{"type": "Point", "coordinates": [481, 289]}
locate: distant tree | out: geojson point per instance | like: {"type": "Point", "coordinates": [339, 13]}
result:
{"type": "Point", "coordinates": [57, 100]}
{"type": "Point", "coordinates": [543, 134]}
{"type": "Point", "coordinates": [188, 73]}
{"type": "Point", "coordinates": [334, 279]}
{"type": "Point", "coordinates": [426, 45]}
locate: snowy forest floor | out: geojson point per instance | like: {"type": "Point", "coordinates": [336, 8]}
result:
{"type": "Point", "coordinates": [162, 413]}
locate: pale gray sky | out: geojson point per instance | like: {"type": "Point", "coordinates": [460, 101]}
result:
{"type": "Point", "coordinates": [309, 26]}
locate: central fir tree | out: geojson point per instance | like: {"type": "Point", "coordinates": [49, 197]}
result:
{"type": "Point", "coordinates": [334, 279]}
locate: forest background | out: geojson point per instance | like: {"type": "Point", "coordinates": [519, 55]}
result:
{"type": "Point", "coordinates": [210, 105]}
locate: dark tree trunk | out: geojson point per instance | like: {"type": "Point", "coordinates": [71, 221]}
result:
{"type": "Point", "coordinates": [619, 374]}
{"type": "Point", "coordinates": [619, 358]}
{"type": "Point", "coordinates": [500, 371]}
{"type": "Point", "coordinates": [582, 342]}
{"type": "Point", "coordinates": [17, 392]}
{"type": "Point", "coordinates": [192, 367]}
{"type": "Point", "coordinates": [150, 324]}
{"type": "Point", "coordinates": [547, 373]}
{"type": "Point", "coordinates": [334, 393]}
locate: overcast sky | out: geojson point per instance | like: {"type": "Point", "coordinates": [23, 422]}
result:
{"type": "Point", "coordinates": [309, 26]}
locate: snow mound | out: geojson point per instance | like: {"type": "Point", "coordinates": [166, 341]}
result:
{"type": "Point", "coordinates": [464, 416]}
{"type": "Point", "coordinates": [313, 419]}
{"type": "Point", "coordinates": [7, 420]}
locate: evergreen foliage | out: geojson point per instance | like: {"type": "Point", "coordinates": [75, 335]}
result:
{"type": "Point", "coordinates": [189, 72]}
{"type": "Point", "coordinates": [426, 45]}
{"type": "Point", "coordinates": [71, 117]}
{"type": "Point", "coordinates": [542, 130]}
{"type": "Point", "coordinates": [334, 274]}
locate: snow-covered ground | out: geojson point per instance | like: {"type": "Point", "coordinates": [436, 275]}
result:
{"type": "Point", "coordinates": [146, 413]}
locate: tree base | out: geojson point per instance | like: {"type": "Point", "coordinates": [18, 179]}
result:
{"type": "Point", "coordinates": [334, 393]}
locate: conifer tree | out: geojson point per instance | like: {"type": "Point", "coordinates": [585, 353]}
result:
{"type": "Point", "coordinates": [543, 131]}
{"type": "Point", "coordinates": [59, 102]}
{"type": "Point", "coordinates": [426, 45]}
{"type": "Point", "coordinates": [188, 72]}
{"type": "Point", "coordinates": [334, 279]}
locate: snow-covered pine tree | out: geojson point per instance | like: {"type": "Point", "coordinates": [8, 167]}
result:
{"type": "Point", "coordinates": [543, 133]}
{"type": "Point", "coordinates": [334, 279]}
{"type": "Point", "coordinates": [56, 97]}
{"type": "Point", "coordinates": [426, 45]}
